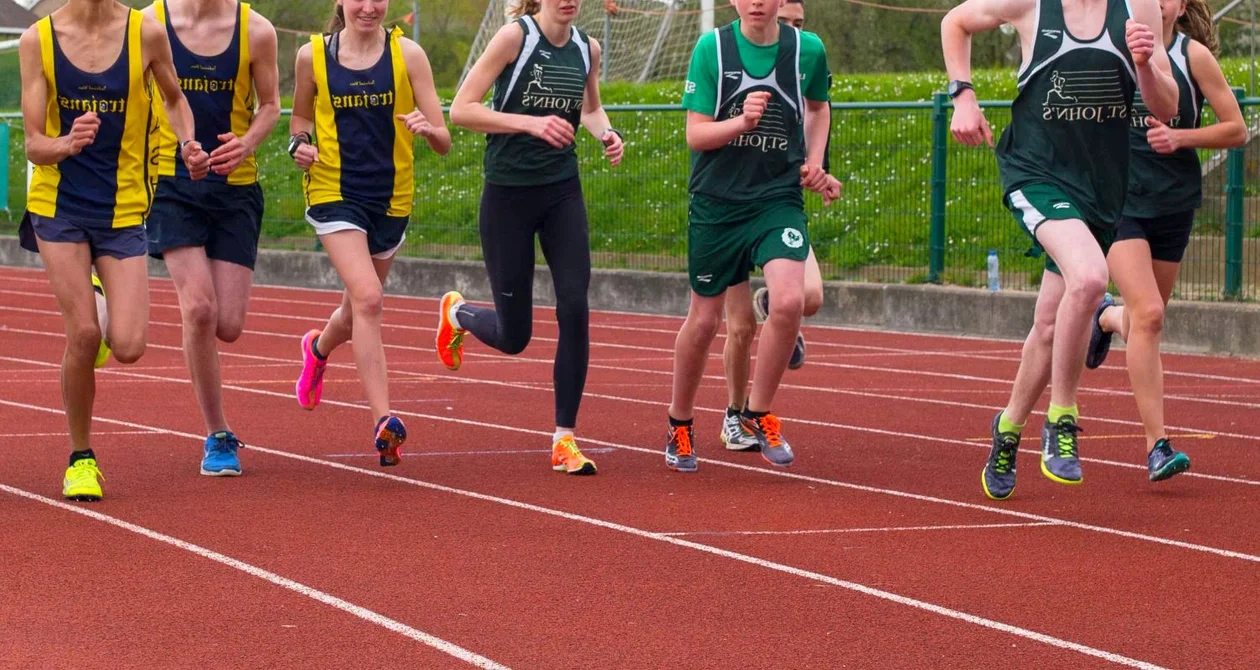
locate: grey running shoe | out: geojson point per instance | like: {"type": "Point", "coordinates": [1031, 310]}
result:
{"type": "Point", "coordinates": [768, 431]}
{"type": "Point", "coordinates": [735, 436]}
{"type": "Point", "coordinates": [1164, 462]}
{"type": "Point", "coordinates": [761, 303]}
{"type": "Point", "coordinates": [1099, 340]}
{"type": "Point", "coordinates": [798, 353]}
{"type": "Point", "coordinates": [998, 478]}
{"type": "Point", "coordinates": [678, 452]}
{"type": "Point", "coordinates": [1059, 460]}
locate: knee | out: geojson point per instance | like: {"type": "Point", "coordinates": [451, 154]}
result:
{"type": "Point", "coordinates": [128, 349]}
{"type": "Point", "coordinates": [515, 340]}
{"type": "Point", "coordinates": [83, 340]}
{"type": "Point", "coordinates": [369, 302]}
{"type": "Point", "coordinates": [199, 314]}
{"type": "Point", "coordinates": [229, 330]}
{"type": "Point", "coordinates": [1145, 318]}
{"type": "Point", "coordinates": [706, 325]}
{"type": "Point", "coordinates": [787, 305]}
{"type": "Point", "coordinates": [571, 308]}
{"type": "Point", "coordinates": [1088, 285]}
{"type": "Point", "coordinates": [1042, 334]}
{"type": "Point", "coordinates": [740, 332]}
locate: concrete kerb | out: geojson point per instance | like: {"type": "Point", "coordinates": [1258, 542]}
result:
{"type": "Point", "coordinates": [1199, 327]}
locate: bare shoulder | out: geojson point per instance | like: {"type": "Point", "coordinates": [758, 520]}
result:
{"type": "Point", "coordinates": [259, 26]}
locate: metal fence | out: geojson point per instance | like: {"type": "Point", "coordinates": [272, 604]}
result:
{"type": "Point", "coordinates": [917, 206]}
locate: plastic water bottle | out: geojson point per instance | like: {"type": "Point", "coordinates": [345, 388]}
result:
{"type": "Point", "coordinates": [994, 277]}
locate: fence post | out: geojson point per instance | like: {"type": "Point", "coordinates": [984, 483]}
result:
{"type": "Point", "coordinates": [4, 167]}
{"type": "Point", "coordinates": [1235, 167]}
{"type": "Point", "coordinates": [940, 154]}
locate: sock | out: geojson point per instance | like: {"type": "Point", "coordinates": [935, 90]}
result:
{"type": "Point", "coordinates": [315, 349]}
{"type": "Point", "coordinates": [453, 315]}
{"type": "Point", "coordinates": [1057, 413]}
{"type": "Point", "coordinates": [732, 411]}
{"type": "Point", "coordinates": [80, 455]}
{"type": "Point", "coordinates": [674, 423]}
{"type": "Point", "coordinates": [560, 433]}
{"type": "Point", "coordinates": [751, 415]}
{"type": "Point", "coordinates": [1005, 425]}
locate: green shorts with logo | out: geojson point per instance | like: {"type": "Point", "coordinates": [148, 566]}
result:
{"type": "Point", "coordinates": [726, 241]}
{"type": "Point", "coordinates": [1035, 204]}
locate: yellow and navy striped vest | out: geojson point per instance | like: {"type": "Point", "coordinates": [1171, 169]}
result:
{"type": "Point", "coordinates": [365, 153]}
{"type": "Point", "coordinates": [108, 180]}
{"type": "Point", "coordinates": [220, 92]}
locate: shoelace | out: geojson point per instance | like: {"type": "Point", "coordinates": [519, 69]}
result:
{"type": "Point", "coordinates": [84, 467]}
{"type": "Point", "coordinates": [1005, 455]}
{"type": "Point", "coordinates": [682, 438]}
{"type": "Point", "coordinates": [772, 429]}
{"type": "Point", "coordinates": [224, 445]}
{"type": "Point", "coordinates": [1067, 439]}
{"type": "Point", "coordinates": [569, 445]}
{"type": "Point", "coordinates": [457, 340]}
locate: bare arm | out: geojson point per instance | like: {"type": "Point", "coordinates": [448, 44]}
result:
{"type": "Point", "coordinates": [1230, 130]}
{"type": "Point", "coordinates": [432, 125]}
{"type": "Point", "coordinates": [302, 121]}
{"type": "Point", "coordinates": [468, 111]}
{"type": "Point", "coordinates": [157, 50]}
{"type": "Point", "coordinates": [970, 18]}
{"type": "Point", "coordinates": [594, 118]}
{"type": "Point", "coordinates": [40, 148]}
{"type": "Point", "coordinates": [817, 130]}
{"type": "Point", "coordinates": [1154, 71]}
{"type": "Point", "coordinates": [264, 69]}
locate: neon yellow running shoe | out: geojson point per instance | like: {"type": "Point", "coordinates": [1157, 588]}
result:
{"type": "Point", "coordinates": [102, 353]}
{"type": "Point", "coordinates": [81, 481]}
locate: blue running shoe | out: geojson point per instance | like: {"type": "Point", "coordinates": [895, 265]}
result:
{"type": "Point", "coordinates": [1164, 462]}
{"type": "Point", "coordinates": [390, 436]}
{"type": "Point", "coordinates": [798, 353]}
{"type": "Point", "coordinates": [1059, 447]}
{"type": "Point", "coordinates": [220, 459]}
{"type": "Point", "coordinates": [998, 478]}
{"type": "Point", "coordinates": [1099, 341]}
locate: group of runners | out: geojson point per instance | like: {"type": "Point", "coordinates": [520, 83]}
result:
{"type": "Point", "coordinates": [143, 127]}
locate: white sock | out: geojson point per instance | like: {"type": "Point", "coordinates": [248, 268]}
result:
{"type": "Point", "coordinates": [560, 433]}
{"type": "Point", "coordinates": [453, 315]}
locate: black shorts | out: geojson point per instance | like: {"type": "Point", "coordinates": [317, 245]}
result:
{"type": "Point", "coordinates": [225, 219]}
{"type": "Point", "coordinates": [385, 233]}
{"type": "Point", "coordinates": [101, 237]}
{"type": "Point", "coordinates": [1168, 235]}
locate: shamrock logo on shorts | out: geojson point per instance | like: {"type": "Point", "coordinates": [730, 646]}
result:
{"type": "Point", "coordinates": [793, 238]}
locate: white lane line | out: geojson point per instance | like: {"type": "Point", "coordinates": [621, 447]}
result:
{"type": "Point", "coordinates": [600, 523]}
{"type": "Point", "coordinates": [266, 575]}
{"type": "Point", "coordinates": [835, 531]}
{"type": "Point", "coordinates": [94, 433]}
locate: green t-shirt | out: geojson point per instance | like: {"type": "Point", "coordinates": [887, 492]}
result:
{"type": "Point", "coordinates": [700, 95]}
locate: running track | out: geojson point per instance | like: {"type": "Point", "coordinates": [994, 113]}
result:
{"type": "Point", "coordinates": [876, 549]}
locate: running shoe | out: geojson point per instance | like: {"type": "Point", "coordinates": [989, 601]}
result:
{"type": "Point", "coordinates": [220, 458]}
{"type": "Point", "coordinates": [81, 483]}
{"type": "Point", "coordinates": [735, 436]}
{"type": "Point", "coordinates": [769, 432]}
{"type": "Point", "coordinates": [390, 435]}
{"type": "Point", "coordinates": [761, 303]}
{"type": "Point", "coordinates": [679, 455]}
{"type": "Point", "coordinates": [1099, 341]}
{"type": "Point", "coordinates": [450, 340]}
{"type": "Point", "coordinates": [798, 353]}
{"type": "Point", "coordinates": [1164, 462]}
{"type": "Point", "coordinates": [565, 457]}
{"type": "Point", "coordinates": [310, 386]}
{"type": "Point", "coordinates": [1059, 448]}
{"type": "Point", "coordinates": [998, 478]}
{"type": "Point", "coordinates": [102, 351]}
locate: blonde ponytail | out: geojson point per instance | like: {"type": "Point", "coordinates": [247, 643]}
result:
{"type": "Point", "coordinates": [338, 21]}
{"type": "Point", "coordinates": [525, 7]}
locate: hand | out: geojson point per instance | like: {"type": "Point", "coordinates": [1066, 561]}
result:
{"type": "Point", "coordinates": [754, 108]}
{"type": "Point", "coordinates": [196, 160]}
{"type": "Point", "coordinates": [83, 132]}
{"type": "Point", "coordinates": [969, 126]}
{"type": "Point", "coordinates": [832, 192]}
{"type": "Point", "coordinates": [417, 123]}
{"type": "Point", "coordinates": [1140, 40]}
{"type": "Point", "coordinates": [614, 147]}
{"type": "Point", "coordinates": [229, 156]}
{"type": "Point", "coordinates": [306, 156]}
{"type": "Point", "coordinates": [813, 178]}
{"type": "Point", "coordinates": [1162, 139]}
{"type": "Point", "coordinates": [552, 129]}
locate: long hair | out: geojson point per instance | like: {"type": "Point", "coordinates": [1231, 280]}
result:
{"type": "Point", "coordinates": [338, 21]}
{"type": "Point", "coordinates": [526, 7]}
{"type": "Point", "coordinates": [1196, 22]}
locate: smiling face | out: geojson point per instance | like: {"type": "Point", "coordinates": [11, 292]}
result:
{"type": "Point", "coordinates": [758, 13]}
{"type": "Point", "coordinates": [365, 15]}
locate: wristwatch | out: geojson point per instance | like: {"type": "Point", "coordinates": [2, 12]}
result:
{"type": "Point", "coordinates": [615, 132]}
{"type": "Point", "coordinates": [957, 86]}
{"type": "Point", "coordinates": [297, 140]}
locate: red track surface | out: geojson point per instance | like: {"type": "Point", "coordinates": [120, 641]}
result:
{"type": "Point", "coordinates": [474, 543]}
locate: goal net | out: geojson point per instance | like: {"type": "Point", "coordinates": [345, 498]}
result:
{"type": "Point", "coordinates": [641, 40]}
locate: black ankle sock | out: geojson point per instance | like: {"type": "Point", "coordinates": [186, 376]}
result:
{"type": "Point", "coordinates": [674, 423]}
{"type": "Point", "coordinates": [732, 411]}
{"type": "Point", "coordinates": [80, 455]}
{"type": "Point", "coordinates": [315, 349]}
{"type": "Point", "coordinates": [751, 415]}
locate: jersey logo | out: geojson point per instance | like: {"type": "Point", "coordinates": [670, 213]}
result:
{"type": "Point", "coordinates": [544, 54]}
{"type": "Point", "coordinates": [1052, 34]}
{"type": "Point", "coordinates": [1062, 205]}
{"type": "Point", "coordinates": [704, 279]}
{"type": "Point", "coordinates": [536, 82]}
{"type": "Point", "coordinates": [734, 75]}
{"type": "Point", "coordinates": [691, 87]}
{"type": "Point", "coordinates": [793, 238]}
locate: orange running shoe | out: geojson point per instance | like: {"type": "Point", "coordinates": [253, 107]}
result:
{"type": "Point", "coordinates": [450, 340]}
{"type": "Point", "coordinates": [565, 457]}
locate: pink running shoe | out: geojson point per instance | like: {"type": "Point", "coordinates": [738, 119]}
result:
{"type": "Point", "coordinates": [310, 386]}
